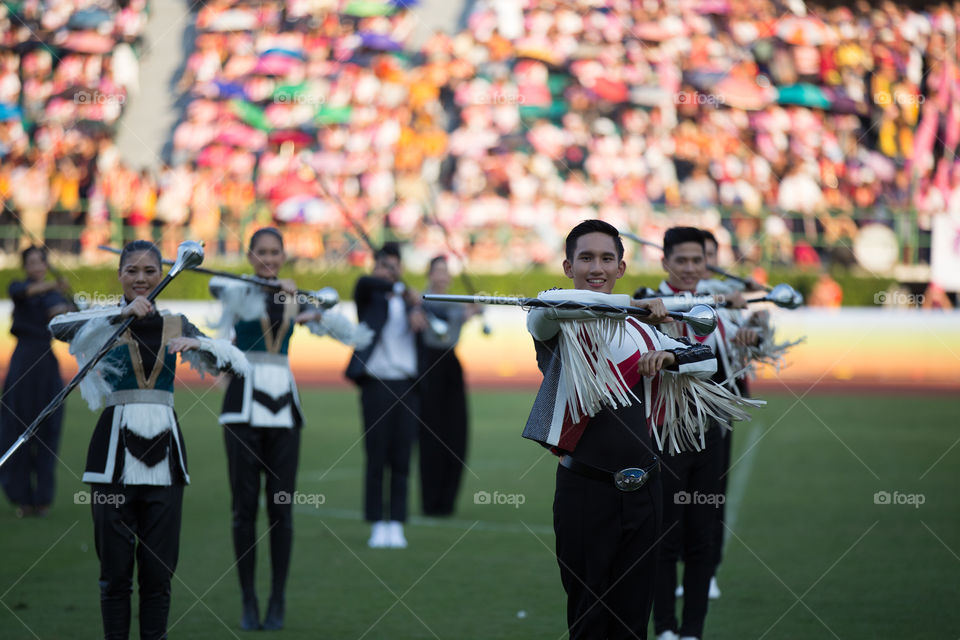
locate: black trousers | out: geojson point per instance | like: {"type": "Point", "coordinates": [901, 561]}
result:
{"type": "Point", "coordinates": [28, 476]}
{"type": "Point", "coordinates": [607, 552]}
{"type": "Point", "coordinates": [136, 523]}
{"type": "Point", "coordinates": [390, 420]}
{"type": "Point", "coordinates": [273, 453]}
{"type": "Point", "coordinates": [443, 433]}
{"type": "Point", "coordinates": [726, 450]}
{"type": "Point", "coordinates": [690, 498]}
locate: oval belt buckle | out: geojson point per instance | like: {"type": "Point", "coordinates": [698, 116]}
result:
{"type": "Point", "coordinates": [630, 479]}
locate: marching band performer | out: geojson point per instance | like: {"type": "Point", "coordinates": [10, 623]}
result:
{"type": "Point", "coordinates": [136, 461]}
{"type": "Point", "coordinates": [262, 416]}
{"type": "Point", "coordinates": [443, 426]}
{"type": "Point", "coordinates": [33, 380]}
{"type": "Point", "coordinates": [692, 492]}
{"type": "Point", "coordinates": [609, 384]}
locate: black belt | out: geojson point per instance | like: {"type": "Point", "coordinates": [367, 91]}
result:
{"type": "Point", "coordinates": [629, 479]}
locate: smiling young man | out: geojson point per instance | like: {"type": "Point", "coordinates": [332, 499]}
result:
{"type": "Point", "coordinates": [593, 410]}
{"type": "Point", "coordinates": [690, 525]}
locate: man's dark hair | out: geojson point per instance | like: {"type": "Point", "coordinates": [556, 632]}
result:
{"type": "Point", "coordinates": [388, 249]}
{"type": "Point", "coordinates": [708, 235]}
{"type": "Point", "coordinates": [680, 235]}
{"type": "Point", "coordinates": [593, 226]}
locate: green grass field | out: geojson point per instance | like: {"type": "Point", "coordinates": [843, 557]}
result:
{"type": "Point", "coordinates": [811, 555]}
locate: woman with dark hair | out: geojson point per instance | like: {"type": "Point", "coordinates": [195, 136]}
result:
{"type": "Point", "coordinates": [136, 461]}
{"type": "Point", "coordinates": [443, 417]}
{"type": "Point", "coordinates": [261, 413]}
{"type": "Point", "coordinates": [33, 380]}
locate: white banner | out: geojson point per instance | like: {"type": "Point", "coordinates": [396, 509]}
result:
{"type": "Point", "coordinates": [945, 252]}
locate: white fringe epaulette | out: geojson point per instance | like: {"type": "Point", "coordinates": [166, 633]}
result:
{"type": "Point", "coordinates": [341, 328]}
{"type": "Point", "coordinates": [227, 356]}
{"type": "Point", "coordinates": [590, 379]}
{"type": "Point", "coordinates": [85, 344]}
{"type": "Point", "coordinates": [238, 300]}
{"type": "Point", "coordinates": [685, 404]}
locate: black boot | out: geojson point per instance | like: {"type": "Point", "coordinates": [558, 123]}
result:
{"type": "Point", "coordinates": [251, 615]}
{"type": "Point", "coordinates": [274, 619]}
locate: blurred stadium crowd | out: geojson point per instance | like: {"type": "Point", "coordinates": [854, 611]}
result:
{"type": "Point", "coordinates": [782, 127]}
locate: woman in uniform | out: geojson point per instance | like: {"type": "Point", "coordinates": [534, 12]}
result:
{"type": "Point", "coordinates": [136, 460]}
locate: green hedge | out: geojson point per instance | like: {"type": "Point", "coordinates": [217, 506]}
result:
{"type": "Point", "coordinates": [100, 281]}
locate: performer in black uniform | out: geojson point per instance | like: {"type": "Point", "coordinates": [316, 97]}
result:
{"type": "Point", "coordinates": [443, 429]}
{"type": "Point", "coordinates": [692, 496]}
{"type": "Point", "coordinates": [33, 380]}
{"type": "Point", "coordinates": [136, 461]}
{"type": "Point", "coordinates": [602, 378]}
{"type": "Point", "coordinates": [386, 372]}
{"type": "Point", "coordinates": [262, 416]}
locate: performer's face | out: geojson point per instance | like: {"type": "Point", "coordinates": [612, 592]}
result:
{"type": "Point", "coordinates": [439, 278]}
{"type": "Point", "coordinates": [267, 256]}
{"type": "Point", "coordinates": [709, 257]}
{"type": "Point", "coordinates": [35, 266]}
{"type": "Point", "coordinates": [388, 268]}
{"type": "Point", "coordinates": [595, 265]}
{"type": "Point", "coordinates": [685, 266]}
{"type": "Point", "coordinates": [140, 274]}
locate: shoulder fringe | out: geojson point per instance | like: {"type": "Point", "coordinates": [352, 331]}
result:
{"type": "Point", "coordinates": [589, 379]}
{"type": "Point", "coordinates": [239, 300]}
{"type": "Point", "coordinates": [86, 342]}
{"type": "Point", "coordinates": [225, 356]}
{"type": "Point", "coordinates": [685, 404]}
{"type": "Point", "coordinates": [341, 328]}
{"type": "Point", "coordinates": [769, 351]}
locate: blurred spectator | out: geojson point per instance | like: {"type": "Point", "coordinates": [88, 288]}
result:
{"type": "Point", "coordinates": [826, 292]}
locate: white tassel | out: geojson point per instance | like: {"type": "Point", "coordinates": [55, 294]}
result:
{"type": "Point", "coordinates": [85, 344]}
{"type": "Point", "coordinates": [590, 379]}
{"type": "Point", "coordinates": [145, 419]}
{"type": "Point", "coordinates": [687, 403]}
{"type": "Point", "coordinates": [226, 356]}
{"type": "Point", "coordinates": [341, 328]}
{"type": "Point", "coordinates": [769, 351]}
{"type": "Point", "coordinates": [239, 300]}
{"type": "Point", "coordinates": [135, 472]}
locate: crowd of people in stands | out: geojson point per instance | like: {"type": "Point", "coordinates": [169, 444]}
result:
{"type": "Point", "coordinates": [782, 127]}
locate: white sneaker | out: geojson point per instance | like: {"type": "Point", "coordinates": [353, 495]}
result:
{"type": "Point", "coordinates": [395, 539]}
{"type": "Point", "coordinates": [668, 635]}
{"type": "Point", "coordinates": [714, 589]}
{"type": "Point", "coordinates": [679, 592]}
{"type": "Point", "coordinates": [379, 535]}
